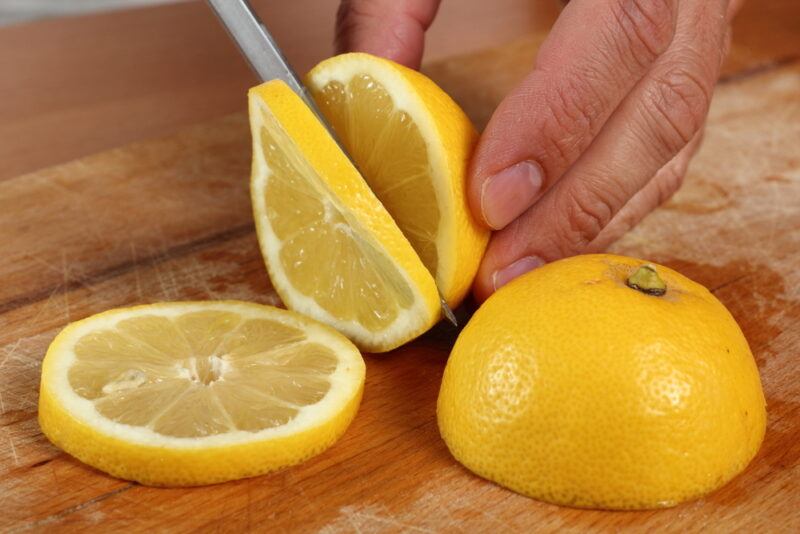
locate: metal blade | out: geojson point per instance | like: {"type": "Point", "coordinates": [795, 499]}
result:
{"type": "Point", "coordinates": [262, 52]}
{"type": "Point", "coordinates": [446, 311]}
{"type": "Point", "coordinates": [266, 59]}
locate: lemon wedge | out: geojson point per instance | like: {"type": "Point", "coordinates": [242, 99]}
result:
{"type": "Point", "coordinates": [332, 251]}
{"type": "Point", "coordinates": [412, 143]}
{"type": "Point", "coordinates": [190, 393]}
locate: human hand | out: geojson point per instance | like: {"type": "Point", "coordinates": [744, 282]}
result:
{"type": "Point", "coordinates": [596, 136]}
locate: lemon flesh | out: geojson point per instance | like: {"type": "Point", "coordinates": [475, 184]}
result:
{"type": "Point", "coordinates": [197, 384]}
{"type": "Point", "coordinates": [389, 149]}
{"type": "Point", "coordinates": [412, 144]}
{"type": "Point", "coordinates": [332, 250]}
{"type": "Point", "coordinates": [571, 387]}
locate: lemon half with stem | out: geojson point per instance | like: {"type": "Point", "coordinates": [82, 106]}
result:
{"type": "Point", "coordinates": [189, 393]}
{"type": "Point", "coordinates": [603, 381]}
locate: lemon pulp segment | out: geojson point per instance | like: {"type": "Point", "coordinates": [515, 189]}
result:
{"type": "Point", "coordinates": [332, 250]}
{"type": "Point", "coordinates": [195, 383]}
{"type": "Point", "coordinates": [391, 153]}
{"type": "Point", "coordinates": [412, 143]}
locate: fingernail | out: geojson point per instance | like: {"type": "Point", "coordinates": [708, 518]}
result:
{"type": "Point", "coordinates": [510, 192]}
{"type": "Point", "coordinates": [503, 276]}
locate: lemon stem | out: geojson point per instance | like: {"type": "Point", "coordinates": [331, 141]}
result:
{"type": "Point", "coordinates": [646, 280]}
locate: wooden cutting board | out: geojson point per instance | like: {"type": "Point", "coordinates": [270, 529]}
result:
{"type": "Point", "coordinates": [169, 219]}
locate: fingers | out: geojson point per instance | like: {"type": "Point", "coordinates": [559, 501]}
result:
{"type": "Point", "coordinates": [595, 54]}
{"type": "Point", "coordinates": [659, 117]}
{"type": "Point", "coordinates": [394, 29]}
{"type": "Point", "coordinates": [663, 185]}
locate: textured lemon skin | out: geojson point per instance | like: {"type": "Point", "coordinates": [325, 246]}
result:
{"type": "Point", "coordinates": [158, 466]}
{"type": "Point", "coordinates": [572, 388]}
{"type": "Point", "coordinates": [192, 465]}
{"type": "Point", "coordinates": [351, 190]}
{"type": "Point", "coordinates": [463, 240]}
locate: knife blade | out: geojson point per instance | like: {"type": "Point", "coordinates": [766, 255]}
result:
{"type": "Point", "coordinates": [265, 58]}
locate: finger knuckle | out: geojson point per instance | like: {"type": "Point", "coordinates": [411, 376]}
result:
{"type": "Point", "coordinates": [357, 9]}
{"type": "Point", "coordinates": [571, 121]}
{"type": "Point", "coordinates": [648, 26]}
{"type": "Point", "coordinates": [680, 102]}
{"type": "Point", "coordinates": [345, 22]}
{"type": "Point", "coordinates": [351, 15]}
{"type": "Point", "coordinates": [586, 213]}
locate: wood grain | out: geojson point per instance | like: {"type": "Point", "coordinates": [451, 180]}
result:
{"type": "Point", "coordinates": [168, 219]}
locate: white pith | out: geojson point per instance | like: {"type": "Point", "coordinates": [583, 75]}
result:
{"type": "Point", "coordinates": [409, 319]}
{"type": "Point", "coordinates": [345, 379]}
{"type": "Point", "coordinates": [405, 98]}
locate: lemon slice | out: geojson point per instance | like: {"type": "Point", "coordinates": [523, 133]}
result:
{"type": "Point", "coordinates": [332, 251]}
{"type": "Point", "coordinates": [197, 392]}
{"type": "Point", "coordinates": [412, 144]}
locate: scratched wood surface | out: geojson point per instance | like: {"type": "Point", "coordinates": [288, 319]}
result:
{"type": "Point", "coordinates": [169, 219]}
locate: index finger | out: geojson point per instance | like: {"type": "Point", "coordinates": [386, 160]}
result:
{"type": "Point", "coordinates": [595, 54]}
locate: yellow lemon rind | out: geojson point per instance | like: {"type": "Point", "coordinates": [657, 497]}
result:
{"type": "Point", "coordinates": [349, 191]}
{"type": "Point", "coordinates": [661, 411]}
{"type": "Point", "coordinates": [72, 424]}
{"type": "Point", "coordinates": [450, 137]}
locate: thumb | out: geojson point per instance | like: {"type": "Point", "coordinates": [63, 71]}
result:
{"type": "Point", "coordinates": [394, 29]}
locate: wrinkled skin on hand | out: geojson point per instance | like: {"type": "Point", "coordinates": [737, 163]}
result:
{"type": "Point", "coordinates": [596, 136]}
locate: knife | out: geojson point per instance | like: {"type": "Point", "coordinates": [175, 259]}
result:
{"type": "Point", "coordinates": [266, 59]}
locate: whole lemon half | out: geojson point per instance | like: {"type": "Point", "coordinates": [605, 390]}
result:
{"type": "Point", "coordinates": [602, 381]}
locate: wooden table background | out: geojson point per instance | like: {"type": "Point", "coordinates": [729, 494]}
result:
{"type": "Point", "coordinates": [169, 218]}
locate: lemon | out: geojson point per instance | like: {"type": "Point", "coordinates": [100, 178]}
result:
{"type": "Point", "coordinates": [412, 144]}
{"type": "Point", "coordinates": [570, 386]}
{"type": "Point", "coordinates": [197, 392]}
{"type": "Point", "coordinates": [332, 251]}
